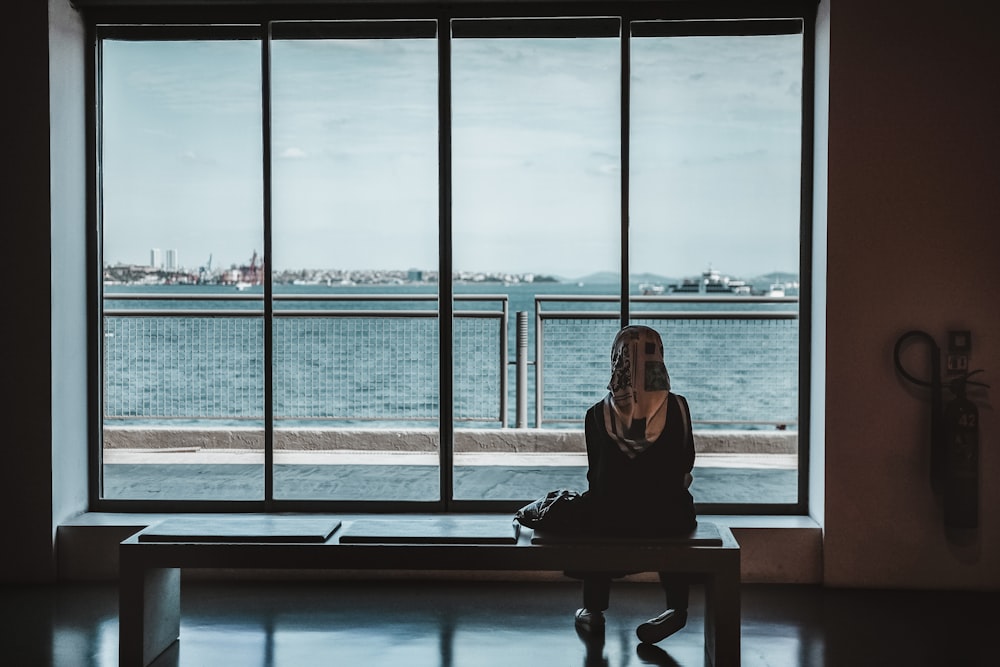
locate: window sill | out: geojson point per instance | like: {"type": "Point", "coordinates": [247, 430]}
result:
{"type": "Point", "coordinates": [774, 549]}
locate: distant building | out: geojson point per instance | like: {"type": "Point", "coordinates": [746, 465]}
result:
{"type": "Point", "coordinates": [415, 276]}
{"type": "Point", "coordinates": [171, 259]}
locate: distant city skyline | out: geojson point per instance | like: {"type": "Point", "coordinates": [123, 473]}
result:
{"type": "Point", "coordinates": [156, 262]}
{"type": "Point", "coordinates": [536, 164]}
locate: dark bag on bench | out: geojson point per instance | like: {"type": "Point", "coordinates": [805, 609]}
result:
{"type": "Point", "coordinates": [559, 511]}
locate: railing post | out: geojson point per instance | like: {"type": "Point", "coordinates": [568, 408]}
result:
{"type": "Point", "coordinates": [538, 362]}
{"type": "Point", "coordinates": [522, 369]}
{"type": "Point", "coordinates": [504, 361]}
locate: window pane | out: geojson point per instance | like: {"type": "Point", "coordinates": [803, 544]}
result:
{"type": "Point", "coordinates": [714, 212]}
{"type": "Point", "coordinates": [536, 211]}
{"type": "Point", "coordinates": [355, 222]}
{"type": "Point", "coordinates": [181, 221]}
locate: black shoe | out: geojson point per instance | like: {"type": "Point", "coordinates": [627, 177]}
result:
{"type": "Point", "coordinates": [661, 627]}
{"type": "Point", "coordinates": [589, 622]}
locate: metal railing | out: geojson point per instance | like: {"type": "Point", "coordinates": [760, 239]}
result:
{"type": "Point", "coordinates": [166, 360]}
{"type": "Point", "coordinates": [330, 364]}
{"type": "Point", "coordinates": [737, 366]}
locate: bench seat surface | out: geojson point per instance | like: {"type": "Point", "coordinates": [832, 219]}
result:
{"type": "Point", "coordinates": [276, 528]}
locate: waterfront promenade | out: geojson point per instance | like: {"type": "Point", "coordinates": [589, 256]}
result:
{"type": "Point", "coordinates": [396, 476]}
{"type": "Point", "coordinates": [361, 464]}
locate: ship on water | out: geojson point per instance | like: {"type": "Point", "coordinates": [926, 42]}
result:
{"type": "Point", "coordinates": [711, 282]}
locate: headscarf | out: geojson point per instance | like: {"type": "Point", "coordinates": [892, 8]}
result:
{"type": "Point", "coordinates": [635, 409]}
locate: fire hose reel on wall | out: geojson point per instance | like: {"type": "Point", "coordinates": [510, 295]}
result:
{"type": "Point", "coordinates": [954, 430]}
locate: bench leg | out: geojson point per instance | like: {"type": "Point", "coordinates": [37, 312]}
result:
{"type": "Point", "coordinates": [149, 612]}
{"type": "Point", "coordinates": [722, 618]}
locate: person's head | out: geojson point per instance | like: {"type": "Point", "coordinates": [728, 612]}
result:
{"type": "Point", "coordinates": [637, 362]}
{"type": "Point", "coordinates": [635, 409]}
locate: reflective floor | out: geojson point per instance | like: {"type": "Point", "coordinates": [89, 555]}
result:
{"type": "Point", "coordinates": [485, 624]}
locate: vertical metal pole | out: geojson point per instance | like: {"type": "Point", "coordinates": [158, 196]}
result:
{"type": "Point", "coordinates": [522, 369]}
{"type": "Point", "coordinates": [504, 360]}
{"type": "Point", "coordinates": [538, 363]}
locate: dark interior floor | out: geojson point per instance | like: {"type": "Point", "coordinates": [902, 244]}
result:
{"type": "Point", "coordinates": [480, 624]}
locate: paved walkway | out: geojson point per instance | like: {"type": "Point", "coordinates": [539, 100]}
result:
{"type": "Point", "coordinates": [232, 475]}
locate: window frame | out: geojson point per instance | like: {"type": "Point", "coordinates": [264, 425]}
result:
{"type": "Point", "coordinates": [151, 19]}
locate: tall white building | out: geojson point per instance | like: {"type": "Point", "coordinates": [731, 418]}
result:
{"type": "Point", "coordinates": [155, 258]}
{"type": "Point", "coordinates": [171, 259]}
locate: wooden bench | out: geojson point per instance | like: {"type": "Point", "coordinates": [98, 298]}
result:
{"type": "Point", "coordinates": [151, 562]}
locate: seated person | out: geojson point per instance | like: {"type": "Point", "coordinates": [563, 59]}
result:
{"type": "Point", "coordinates": [640, 453]}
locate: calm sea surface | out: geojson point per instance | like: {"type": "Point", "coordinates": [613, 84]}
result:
{"type": "Point", "coordinates": [351, 361]}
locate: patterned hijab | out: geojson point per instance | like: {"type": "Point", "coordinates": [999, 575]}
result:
{"type": "Point", "coordinates": [635, 409]}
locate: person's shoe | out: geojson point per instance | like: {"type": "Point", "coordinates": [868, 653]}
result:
{"type": "Point", "coordinates": [659, 628]}
{"type": "Point", "coordinates": [589, 622]}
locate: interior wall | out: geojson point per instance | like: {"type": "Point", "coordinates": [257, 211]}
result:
{"type": "Point", "coordinates": [913, 243]}
{"type": "Point", "coordinates": [44, 476]}
{"type": "Point", "coordinates": [25, 481]}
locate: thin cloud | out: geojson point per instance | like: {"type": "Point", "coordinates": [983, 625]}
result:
{"type": "Point", "coordinates": [293, 153]}
{"type": "Point", "coordinates": [193, 157]}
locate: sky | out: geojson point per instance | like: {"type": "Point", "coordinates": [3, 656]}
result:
{"type": "Point", "coordinates": [536, 176]}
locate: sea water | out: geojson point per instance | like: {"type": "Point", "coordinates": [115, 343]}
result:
{"type": "Point", "coordinates": [203, 365]}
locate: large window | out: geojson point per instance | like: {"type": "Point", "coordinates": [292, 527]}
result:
{"type": "Point", "coordinates": [378, 261]}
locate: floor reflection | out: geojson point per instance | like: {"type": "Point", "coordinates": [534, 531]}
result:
{"type": "Point", "coordinates": [421, 625]}
{"type": "Point", "coordinates": [494, 624]}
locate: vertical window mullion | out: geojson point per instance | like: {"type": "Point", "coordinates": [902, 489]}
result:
{"type": "Point", "coordinates": [268, 287]}
{"type": "Point", "coordinates": [624, 149]}
{"type": "Point", "coordinates": [445, 289]}
{"type": "Point", "coordinates": [805, 256]}
{"type": "Point", "coordinates": [95, 293]}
